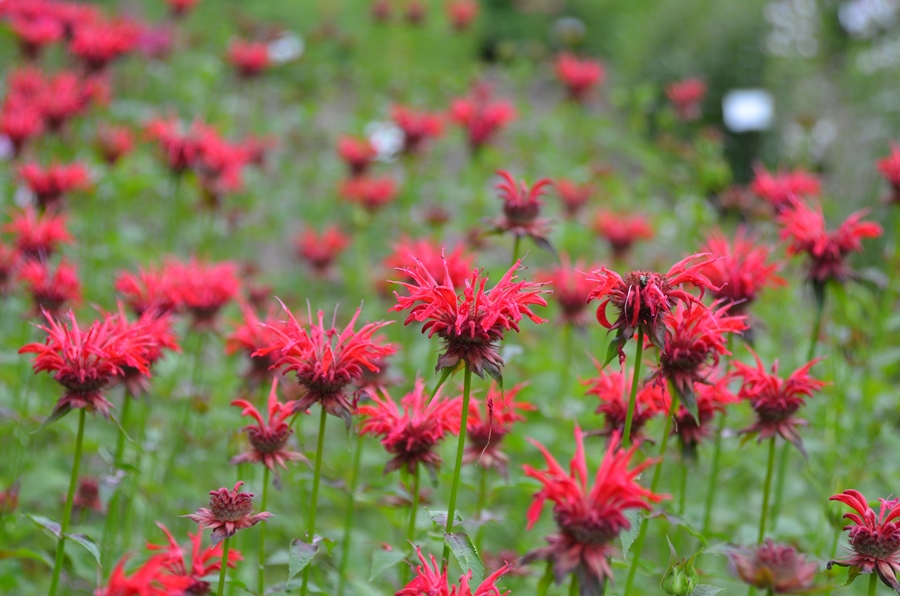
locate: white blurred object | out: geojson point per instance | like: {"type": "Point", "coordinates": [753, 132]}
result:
{"type": "Point", "coordinates": [387, 138]}
{"type": "Point", "coordinates": [746, 110]}
{"type": "Point", "coordinates": [795, 24]}
{"type": "Point", "coordinates": [865, 18]}
{"type": "Point", "coordinates": [6, 148]}
{"type": "Point", "coordinates": [23, 197]}
{"type": "Point", "coordinates": [288, 47]}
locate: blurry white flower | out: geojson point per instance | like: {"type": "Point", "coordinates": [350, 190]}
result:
{"type": "Point", "coordinates": [387, 138]}
{"type": "Point", "coordinates": [289, 46]}
{"type": "Point", "coordinates": [747, 110]}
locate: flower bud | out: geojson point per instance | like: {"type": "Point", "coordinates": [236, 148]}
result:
{"type": "Point", "coordinates": [681, 578]}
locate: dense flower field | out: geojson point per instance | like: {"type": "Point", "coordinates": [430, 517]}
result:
{"type": "Point", "coordinates": [356, 312]}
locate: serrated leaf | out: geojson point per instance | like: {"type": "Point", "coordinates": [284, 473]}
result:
{"type": "Point", "coordinates": [88, 543]}
{"type": "Point", "coordinates": [439, 517]}
{"type": "Point", "coordinates": [47, 523]}
{"type": "Point", "coordinates": [24, 553]}
{"type": "Point", "coordinates": [382, 560]}
{"type": "Point", "coordinates": [466, 555]}
{"type": "Point", "coordinates": [706, 590]}
{"type": "Point", "coordinates": [628, 536]}
{"type": "Point", "coordinates": [299, 556]}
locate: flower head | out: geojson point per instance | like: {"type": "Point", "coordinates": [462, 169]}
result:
{"type": "Point", "coordinates": [417, 126]}
{"type": "Point", "coordinates": [804, 227]}
{"type": "Point", "coordinates": [579, 76]}
{"type": "Point", "coordinates": [37, 236]}
{"type": "Point", "coordinates": [35, 34]}
{"type": "Point", "coordinates": [622, 230]}
{"type": "Point", "coordinates": [159, 335]}
{"type": "Point", "coordinates": [150, 579]}
{"type": "Point", "coordinates": [522, 208]}
{"type": "Point", "coordinates": [369, 192]}
{"type": "Point", "coordinates": [874, 539]}
{"type": "Point", "coordinates": [204, 288]}
{"type": "Point", "coordinates": [480, 116]}
{"type": "Point", "coordinates": [251, 335]}
{"type": "Point", "coordinates": [776, 400]}
{"type": "Point", "coordinates": [686, 97]}
{"type": "Point", "coordinates": [20, 122]}
{"type": "Point", "coordinates": [52, 183]}
{"type": "Point", "coordinates": [890, 170]}
{"type": "Point", "coordinates": [248, 58]}
{"type": "Point", "coordinates": [154, 289]}
{"type": "Point", "coordinates": [62, 97]}
{"type": "Point", "coordinates": [321, 250]}
{"type": "Point", "coordinates": [113, 142]}
{"type": "Point", "coordinates": [485, 431]}
{"type": "Point", "coordinates": [461, 13]}
{"type": "Point", "coordinates": [588, 519]}
{"type": "Point", "coordinates": [412, 431]}
{"type": "Point", "coordinates": [229, 511]}
{"type": "Point", "coordinates": [609, 387]}
{"type": "Point", "coordinates": [574, 196]}
{"type": "Point", "coordinates": [432, 256]}
{"type": "Point", "coordinates": [782, 188]}
{"type": "Point", "coordinates": [9, 260]}
{"type": "Point", "coordinates": [472, 323]}
{"type": "Point", "coordinates": [196, 564]}
{"type": "Point", "coordinates": [357, 153]}
{"type": "Point", "coordinates": [776, 567]}
{"type": "Point", "coordinates": [180, 8]}
{"type": "Point", "coordinates": [268, 438]}
{"type": "Point", "coordinates": [87, 495]}
{"type": "Point", "coordinates": [178, 147]}
{"type": "Point", "coordinates": [431, 580]}
{"type": "Point", "coordinates": [98, 43]}
{"type": "Point", "coordinates": [50, 289]}
{"type": "Point", "coordinates": [571, 288]}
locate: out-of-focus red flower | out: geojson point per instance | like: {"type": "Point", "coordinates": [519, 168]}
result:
{"type": "Point", "coordinates": [327, 360]}
{"type": "Point", "coordinates": [152, 289]}
{"type": "Point", "coordinates": [775, 567]}
{"type": "Point", "coordinates": [781, 189]}
{"type": "Point", "coordinates": [9, 499]}
{"type": "Point", "coordinates": [874, 539]}
{"type": "Point", "coordinates": [609, 387]}
{"type": "Point", "coordinates": [218, 162]}
{"type": "Point", "coordinates": [417, 126]}
{"type": "Point", "coordinates": [622, 230]}
{"type": "Point", "coordinates": [588, 518]}
{"type": "Point", "coordinates": [369, 192]}
{"type": "Point", "coordinates": [357, 152]}
{"type": "Point", "coordinates": [158, 331]}
{"type": "Point", "coordinates": [229, 511]}
{"type": "Point", "coordinates": [579, 76]}
{"type": "Point", "coordinates": [412, 431]}
{"type": "Point", "coordinates": [431, 579]}
{"type": "Point", "coordinates": [248, 58]}
{"type": "Point", "coordinates": [25, 83]}
{"type": "Point", "coordinates": [776, 400]}
{"type": "Point", "coordinates": [50, 289]}
{"type": "Point", "coordinates": [179, 147]}
{"type": "Point", "coordinates": [711, 395]}
{"type": "Point", "coordinates": [86, 361]}
{"type": "Point", "coordinates": [432, 257]}
{"type": "Point", "coordinates": [472, 323]}
{"type": "Point", "coordinates": [9, 259]}
{"type": "Point", "coordinates": [522, 209]}
{"type": "Point", "coordinates": [20, 122]}
{"type": "Point", "coordinates": [643, 298]}
{"type": "Point", "coordinates": [890, 169]}
{"type": "Point", "coordinates": [52, 183]}
{"type": "Point", "coordinates": [481, 116]}
{"type": "Point", "coordinates": [98, 43]}
{"type": "Point", "coordinates": [380, 10]}
{"type": "Point", "coordinates": [804, 227]}
{"type": "Point", "coordinates": [62, 97]}
{"type": "Point", "coordinates": [180, 8]}
{"type": "Point", "coordinates": [415, 12]}
{"type": "Point", "coordinates": [203, 561]}
{"type": "Point", "coordinates": [37, 236]}
{"type": "Point", "coordinates": [686, 98]}
{"type": "Point", "coordinates": [571, 288]}
{"type": "Point", "coordinates": [741, 269]}
{"type": "Point", "coordinates": [574, 196]}
{"type": "Point", "coordinates": [35, 34]}
{"type": "Point", "coordinates": [204, 288]}
{"type": "Point", "coordinates": [461, 13]}
{"type": "Point", "coordinates": [113, 142]}
{"type": "Point", "coordinates": [320, 251]}
{"type": "Point", "coordinates": [249, 336]}
{"type": "Point", "coordinates": [87, 495]}
{"type": "Point", "coordinates": [268, 438]}
{"type": "Point", "coordinates": [485, 431]}
{"type": "Point", "coordinates": [150, 579]}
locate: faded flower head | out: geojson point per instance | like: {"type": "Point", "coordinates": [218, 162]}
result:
{"type": "Point", "coordinates": [874, 538]}
{"type": "Point", "coordinates": [770, 566]}
{"type": "Point", "coordinates": [268, 438]}
{"type": "Point", "coordinates": [485, 431]}
{"type": "Point", "coordinates": [229, 511]}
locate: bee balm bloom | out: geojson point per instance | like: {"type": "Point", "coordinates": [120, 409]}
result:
{"type": "Point", "coordinates": [890, 169]}
{"type": "Point", "coordinates": [193, 565]}
{"type": "Point", "coordinates": [774, 567]}
{"type": "Point", "coordinates": [686, 97]}
{"type": "Point", "coordinates": [229, 511]}
{"type": "Point", "coordinates": [622, 231]}
{"type": "Point", "coordinates": [782, 188]}
{"type": "Point", "coordinates": [268, 438]}
{"type": "Point", "coordinates": [874, 539]}
{"type": "Point", "coordinates": [579, 76]}
{"type": "Point", "coordinates": [484, 432]}
{"type": "Point", "coordinates": [481, 116]}
{"type": "Point", "coordinates": [430, 579]}
{"type": "Point", "coordinates": [522, 208]}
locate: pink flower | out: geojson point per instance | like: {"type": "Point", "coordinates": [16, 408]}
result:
{"type": "Point", "coordinates": [776, 567]}
{"type": "Point", "coordinates": [50, 184]}
{"type": "Point", "coordinates": [610, 390]}
{"type": "Point", "coordinates": [522, 208]}
{"type": "Point", "coordinates": [461, 13]}
{"type": "Point", "coordinates": [687, 98]}
{"type": "Point", "coordinates": [430, 580]}
{"type": "Point", "coordinates": [357, 152]}
{"type": "Point", "coordinates": [579, 76]}
{"type": "Point", "coordinates": [485, 432]}
{"type": "Point", "coordinates": [890, 169]}
{"type": "Point", "coordinates": [874, 539]}
{"type": "Point", "coordinates": [250, 336]}
{"type": "Point", "coordinates": [113, 142]}
{"type": "Point", "coordinates": [229, 511]}
{"type": "Point", "coordinates": [248, 58]}
{"type": "Point", "coordinates": [268, 439]}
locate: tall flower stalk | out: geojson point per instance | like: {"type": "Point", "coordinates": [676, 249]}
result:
{"type": "Point", "coordinates": [67, 512]}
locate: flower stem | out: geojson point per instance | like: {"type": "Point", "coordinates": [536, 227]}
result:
{"type": "Point", "coordinates": [260, 578]}
{"type": "Point", "coordinates": [768, 485]}
{"type": "Point", "coordinates": [317, 474]}
{"type": "Point", "coordinates": [573, 586]}
{"type": "Point", "coordinates": [348, 515]}
{"type": "Point", "coordinates": [223, 570]}
{"type": "Point", "coordinates": [563, 384]}
{"type": "Point", "coordinates": [638, 545]}
{"type": "Point", "coordinates": [516, 244]}
{"type": "Point", "coordinates": [635, 380]}
{"type": "Point", "coordinates": [123, 420]}
{"type": "Point", "coordinates": [411, 528]}
{"type": "Point", "coordinates": [682, 487]}
{"type": "Point", "coordinates": [480, 504]}
{"type": "Point", "coordinates": [67, 512]}
{"type": "Point", "coordinates": [460, 446]}
{"type": "Point", "coordinates": [873, 584]}
{"type": "Point", "coordinates": [817, 325]}
{"type": "Point", "coordinates": [779, 481]}
{"type": "Point", "coordinates": [713, 475]}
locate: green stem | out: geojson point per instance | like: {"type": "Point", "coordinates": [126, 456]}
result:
{"type": "Point", "coordinates": [348, 515]}
{"type": "Point", "coordinates": [682, 487]}
{"type": "Point", "coordinates": [317, 474]}
{"type": "Point", "coordinates": [123, 420]}
{"type": "Point", "coordinates": [223, 571]}
{"type": "Point", "coordinates": [657, 473]}
{"type": "Point", "coordinates": [573, 586]}
{"type": "Point", "coordinates": [67, 512]}
{"type": "Point", "coordinates": [713, 475]}
{"type": "Point", "coordinates": [765, 505]}
{"type": "Point", "coordinates": [817, 325]}
{"type": "Point", "coordinates": [780, 481]}
{"type": "Point", "coordinates": [460, 447]}
{"type": "Point", "coordinates": [411, 528]}
{"type": "Point", "coordinates": [516, 244]}
{"type": "Point", "coordinates": [873, 584]}
{"type": "Point", "coordinates": [260, 578]}
{"type": "Point", "coordinates": [635, 381]}
{"type": "Point", "coordinates": [480, 504]}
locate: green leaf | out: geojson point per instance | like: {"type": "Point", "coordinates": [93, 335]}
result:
{"type": "Point", "coordinates": [852, 574]}
{"type": "Point", "coordinates": [53, 417]}
{"type": "Point", "coordinates": [466, 555]}
{"type": "Point", "coordinates": [612, 351]}
{"type": "Point", "coordinates": [48, 524]}
{"type": "Point", "coordinates": [24, 553]}
{"type": "Point", "coordinates": [88, 543]}
{"type": "Point", "coordinates": [439, 517]}
{"type": "Point", "coordinates": [706, 590]}
{"type": "Point", "coordinates": [627, 536]}
{"type": "Point", "coordinates": [299, 556]}
{"type": "Point", "coordinates": [383, 560]}
{"type": "Point", "coordinates": [445, 373]}
{"type": "Point", "coordinates": [546, 580]}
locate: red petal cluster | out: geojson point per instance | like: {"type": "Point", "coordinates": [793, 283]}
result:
{"type": "Point", "coordinates": [432, 256]}
{"type": "Point", "coordinates": [203, 562]}
{"type": "Point", "coordinates": [50, 289]}
{"type": "Point", "coordinates": [874, 539]}
{"type": "Point", "coordinates": [229, 511]}
{"type": "Point", "coordinates": [481, 116]}
{"type": "Point", "coordinates": [686, 97]}
{"type": "Point", "coordinates": [522, 208]}
{"type": "Point", "coordinates": [890, 169]}
{"type": "Point", "coordinates": [357, 152]}
{"type": "Point", "coordinates": [574, 196]}
{"type": "Point", "coordinates": [485, 432]}
{"type": "Point", "coordinates": [579, 76]}
{"type": "Point", "coordinates": [114, 142]}
{"type": "Point", "coordinates": [248, 58]}
{"type": "Point", "coordinates": [370, 192]}
{"type": "Point", "coordinates": [251, 335]}
{"type": "Point", "coordinates": [432, 580]}
{"type": "Point", "coordinates": [417, 126]}
{"type": "Point", "coordinates": [781, 189]}
{"type": "Point", "coordinates": [321, 250]}
{"type": "Point", "coordinates": [268, 439]}
{"type": "Point", "coordinates": [775, 567]}
{"type": "Point", "coordinates": [52, 183]}
{"type": "Point", "coordinates": [741, 269]}
{"type": "Point", "coordinates": [37, 236]}
{"type": "Point", "coordinates": [609, 387]}
{"type": "Point", "coordinates": [571, 288]}
{"type": "Point", "coordinates": [622, 230]}
{"type": "Point", "coordinates": [461, 13]}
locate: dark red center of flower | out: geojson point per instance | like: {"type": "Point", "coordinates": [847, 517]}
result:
{"type": "Point", "coordinates": [269, 440]}
{"type": "Point", "coordinates": [775, 410]}
{"type": "Point", "coordinates": [227, 507]}
{"type": "Point", "coordinates": [521, 213]}
{"type": "Point", "coordinates": [876, 544]}
{"type": "Point", "coordinates": [590, 532]}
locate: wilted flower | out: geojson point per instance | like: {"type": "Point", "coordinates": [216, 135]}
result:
{"type": "Point", "coordinates": [461, 13]}
{"type": "Point", "coordinates": [432, 580]}
{"type": "Point", "coordinates": [588, 519]}
{"type": "Point", "coordinates": [481, 116]}
{"type": "Point", "coordinates": [417, 127]}
{"type": "Point", "coordinates": [874, 539]}
{"type": "Point", "coordinates": [357, 153]}
{"type": "Point", "coordinates": [686, 97]}
{"type": "Point", "coordinates": [320, 251]}
{"type": "Point", "coordinates": [37, 236]}
{"type": "Point", "coordinates": [574, 196]}
{"type": "Point", "coordinates": [522, 208]}
{"type": "Point", "coordinates": [770, 566]}
{"type": "Point", "coordinates": [229, 511]}
{"type": "Point", "coordinates": [579, 76]}
{"type": "Point", "coordinates": [782, 188]}
{"type": "Point", "coordinates": [50, 289]}
{"type": "Point", "coordinates": [622, 230]}
{"type": "Point", "coordinates": [196, 564]}
{"type": "Point", "coordinates": [52, 183]}
{"type": "Point", "coordinates": [268, 439]}
{"type": "Point", "coordinates": [571, 288]}
{"type": "Point", "coordinates": [369, 192]}
{"type": "Point", "coordinates": [248, 58]}
{"type": "Point", "coordinates": [485, 432]}
{"type": "Point", "coordinates": [610, 389]}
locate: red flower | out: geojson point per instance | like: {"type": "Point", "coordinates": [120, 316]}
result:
{"type": "Point", "coordinates": [152, 289]}
{"type": "Point", "coordinates": [579, 76]}
{"type": "Point", "coordinates": [20, 122]}
{"type": "Point", "coordinates": [610, 389]}
{"type": "Point", "coordinates": [320, 251]}
{"type": "Point", "coordinates": [890, 169]}
{"type": "Point", "coordinates": [571, 288]}
{"type": "Point", "coordinates": [416, 11]}
{"type": "Point", "coordinates": [37, 236]}
{"type": "Point", "coordinates": [203, 562]}
{"type": "Point", "coordinates": [712, 395]}
{"type": "Point", "coordinates": [874, 540]}
{"type": "Point", "coordinates": [574, 196]}
{"type": "Point", "coordinates": [9, 259]}
{"type": "Point", "coordinates": [417, 127]}
{"type": "Point", "coordinates": [741, 269]}
{"type": "Point", "coordinates": [380, 10]}
{"type": "Point", "coordinates": [150, 579]}
{"type": "Point", "coordinates": [588, 519]}
{"type": "Point", "coordinates": [775, 567]}
{"type": "Point", "coordinates": [229, 511]}
{"type": "Point", "coordinates": [471, 324]}
{"type": "Point", "coordinates": [432, 257]}
{"type": "Point", "coordinates": [248, 58]}
{"type": "Point", "coordinates": [481, 116]}
{"type": "Point", "coordinates": [87, 496]}
{"type": "Point", "coordinates": [521, 209]}
{"type": "Point", "coordinates": [357, 152]}
{"type": "Point", "coordinates": [643, 298]}
{"type": "Point", "coordinates": [179, 148]}
{"type": "Point", "coordinates": [268, 440]}
{"type": "Point", "coordinates": [97, 44]}
{"type": "Point", "coordinates": [50, 184]}
{"type": "Point", "coordinates": [113, 142]}
{"type": "Point", "coordinates": [49, 289]}
{"type": "Point", "coordinates": [776, 400]}
{"type": "Point", "coordinates": [622, 230]}
{"type": "Point", "coordinates": [326, 361]}
{"type": "Point", "coordinates": [180, 8]}
{"type": "Point", "coordinates": [250, 336]}
{"type": "Point", "coordinates": [804, 227]}
{"type": "Point", "coordinates": [204, 288]}
{"type": "Point", "coordinates": [158, 331]}
{"type": "Point", "coordinates": [86, 362]}
{"type": "Point", "coordinates": [412, 431]}
{"type": "Point", "coordinates": [35, 34]}
{"type": "Point", "coordinates": [484, 433]}
{"type": "Point", "coordinates": [369, 192]}
{"type": "Point", "coordinates": [61, 98]}
{"type": "Point", "coordinates": [461, 13]}
{"type": "Point", "coordinates": [433, 581]}
{"type": "Point", "coordinates": [780, 189]}
{"type": "Point", "coordinates": [686, 97]}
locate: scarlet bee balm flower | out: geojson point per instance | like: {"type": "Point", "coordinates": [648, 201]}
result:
{"type": "Point", "coordinates": [741, 270]}
{"type": "Point", "coordinates": [579, 76]}
{"type": "Point", "coordinates": [268, 439]}
{"type": "Point", "coordinates": [522, 208]}
{"type": "Point", "coordinates": [229, 511]}
{"type": "Point", "coordinates": [874, 539]}
{"type": "Point", "coordinates": [430, 579]}
{"type": "Point", "coordinates": [774, 567]}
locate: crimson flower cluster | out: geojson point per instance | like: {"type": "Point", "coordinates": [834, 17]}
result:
{"type": "Point", "coordinates": [874, 538]}
{"type": "Point", "coordinates": [37, 236]}
{"type": "Point", "coordinates": [417, 126]}
{"type": "Point", "coordinates": [783, 188]}
{"type": "Point", "coordinates": [480, 116]}
{"type": "Point", "coordinates": [321, 250]}
{"type": "Point", "coordinates": [249, 336]}
{"type": "Point", "coordinates": [50, 288]}
{"type": "Point", "coordinates": [574, 196]}
{"type": "Point", "coordinates": [52, 183]}
{"type": "Point", "coordinates": [571, 288]}
{"type": "Point", "coordinates": [248, 58]}
{"type": "Point", "coordinates": [622, 230]}
{"type": "Point", "coordinates": [461, 13]}
{"type": "Point", "coordinates": [268, 438]}
{"type": "Point", "coordinates": [229, 511]}
{"type": "Point", "coordinates": [579, 75]}
{"type": "Point", "coordinates": [686, 98]}
{"type": "Point", "coordinates": [522, 209]}
{"type": "Point", "coordinates": [195, 564]}
{"type": "Point", "coordinates": [775, 567]}
{"type": "Point", "coordinates": [485, 431]}
{"type": "Point", "coordinates": [609, 388]}
{"type": "Point", "coordinates": [357, 152]}
{"type": "Point", "coordinates": [430, 579]}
